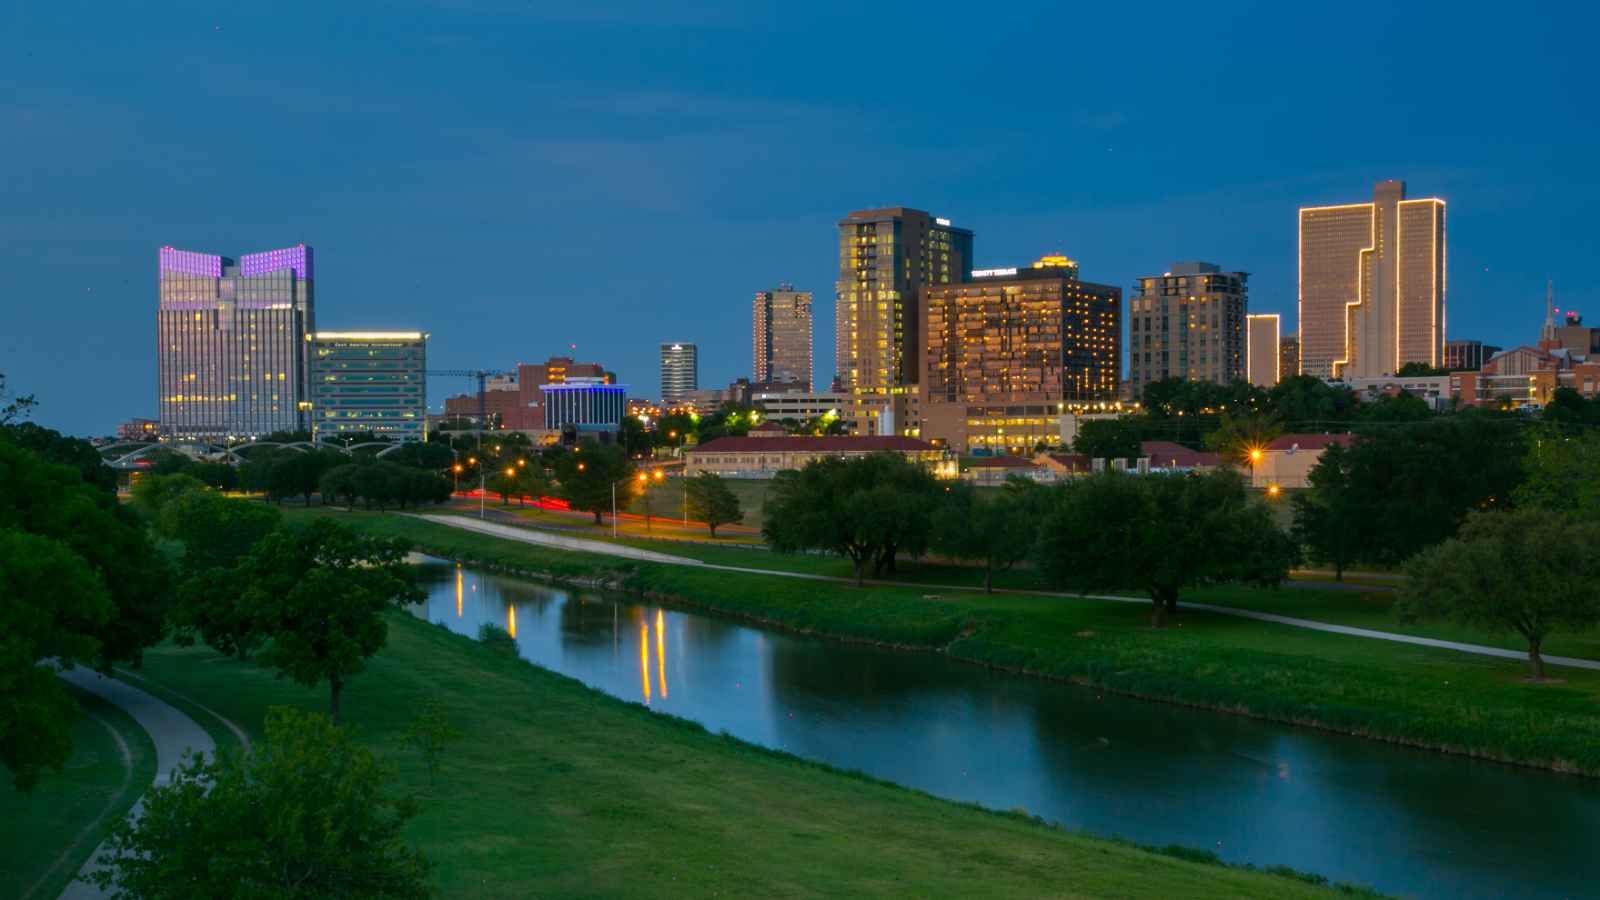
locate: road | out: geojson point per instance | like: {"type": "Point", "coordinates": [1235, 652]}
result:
{"type": "Point", "coordinates": [173, 733]}
{"type": "Point", "coordinates": [590, 546]}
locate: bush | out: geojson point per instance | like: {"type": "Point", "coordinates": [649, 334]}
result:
{"type": "Point", "coordinates": [498, 639]}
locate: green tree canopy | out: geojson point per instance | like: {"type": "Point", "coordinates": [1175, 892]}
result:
{"type": "Point", "coordinates": [868, 509]}
{"type": "Point", "coordinates": [589, 474]}
{"type": "Point", "coordinates": [1162, 534]}
{"type": "Point", "coordinates": [997, 531]}
{"type": "Point", "coordinates": [1329, 518]}
{"type": "Point", "coordinates": [304, 815]}
{"type": "Point", "coordinates": [1117, 438]}
{"type": "Point", "coordinates": [1238, 436]}
{"type": "Point", "coordinates": [55, 447]}
{"type": "Point", "coordinates": [1563, 473]}
{"type": "Point", "coordinates": [1529, 571]}
{"type": "Point", "coordinates": [217, 533]}
{"type": "Point", "coordinates": [711, 501]}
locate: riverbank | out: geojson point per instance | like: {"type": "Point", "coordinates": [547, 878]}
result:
{"type": "Point", "coordinates": [1421, 697]}
{"type": "Point", "coordinates": [560, 790]}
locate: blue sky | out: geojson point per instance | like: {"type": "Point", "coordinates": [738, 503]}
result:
{"type": "Point", "coordinates": [518, 177]}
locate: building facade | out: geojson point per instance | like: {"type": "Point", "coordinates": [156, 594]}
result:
{"type": "Point", "coordinates": [680, 372]}
{"type": "Point", "coordinates": [1288, 355]}
{"type": "Point", "coordinates": [1263, 358]}
{"type": "Point", "coordinates": [369, 382]}
{"type": "Point", "coordinates": [1010, 350]}
{"type": "Point", "coordinates": [1467, 355]}
{"type": "Point", "coordinates": [580, 407]}
{"type": "Point", "coordinates": [766, 454]}
{"type": "Point", "coordinates": [801, 406]}
{"type": "Point", "coordinates": [1187, 322]}
{"type": "Point", "coordinates": [1372, 285]}
{"type": "Point", "coordinates": [231, 343]}
{"type": "Point", "coordinates": [887, 257]}
{"type": "Point", "coordinates": [780, 339]}
{"type": "Point", "coordinates": [516, 401]}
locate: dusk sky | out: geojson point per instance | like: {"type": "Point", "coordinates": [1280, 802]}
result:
{"type": "Point", "coordinates": [515, 178]}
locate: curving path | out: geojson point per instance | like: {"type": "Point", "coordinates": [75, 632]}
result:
{"type": "Point", "coordinates": [173, 733]}
{"type": "Point", "coordinates": [591, 546]}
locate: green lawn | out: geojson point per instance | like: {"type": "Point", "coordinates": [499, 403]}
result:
{"type": "Point", "coordinates": [559, 790]}
{"type": "Point", "coordinates": [1432, 698]}
{"type": "Point", "coordinates": [48, 834]}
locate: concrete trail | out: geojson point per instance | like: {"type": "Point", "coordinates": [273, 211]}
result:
{"type": "Point", "coordinates": [590, 546]}
{"type": "Point", "coordinates": [172, 732]}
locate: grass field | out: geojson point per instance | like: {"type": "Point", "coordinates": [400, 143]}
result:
{"type": "Point", "coordinates": [559, 790]}
{"type": "Point", "coordinates": [1432, 698]}
{"type": "Point", "coordinates": [48, 834]}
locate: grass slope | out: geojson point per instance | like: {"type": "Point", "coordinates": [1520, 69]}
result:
{"type": "Point", "coordinates": [559, 790]}
{"type": "Point", "coordinates": [1440, 699]}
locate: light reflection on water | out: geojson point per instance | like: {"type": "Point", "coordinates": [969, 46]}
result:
{"type": "Point", "coordinates": [1404, 821]}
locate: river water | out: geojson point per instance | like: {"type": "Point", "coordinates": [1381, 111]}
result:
{"type": "Point", "coordinates": [1404, 821]}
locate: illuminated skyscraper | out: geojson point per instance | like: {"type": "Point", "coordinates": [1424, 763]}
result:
{"type": "Point", "coordinates": [1288, 355]}
{"type": "Point", "coordinates": [886, 258]}
{"type": "Point", "coordinates": [1187, 322]}
{"type": "Point", "coordinates": [781, 336]}
{"type": "Point", "coordinates": [1263, 359]}
{"type": "Point", "coordinates": [1372, 285]}
{"type": "Point", "coordinates": [231, 343]}
{"type": "Point", "coordinates": [680, 372]}
{"type": "Point", "coordinates": [369, 382]}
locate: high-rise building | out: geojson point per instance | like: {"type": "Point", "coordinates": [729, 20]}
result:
{"type": "Point", "coordinates": [231, 343]}
{"type": "Point", "coordinates": [517, 401]}
{"type": "Point", "coordinates": [1011, 350]}
{"type": "Point", "coordinates": [369, 382]}
{"type": "Point", "coordinates": [886, 258]}
{"type": "Point", "coordinates": [1372, 285]}
{"type": "Point", "coordinates": [1187, 322]}
{"type": "Point", "coordinates": [1467, 355]}
{"type": "Point", "coordinates": [781, 336]}
{"type": "Point", "coordinates": [584, 407]}
{"type": "Point", "coordinates": [1288, 355]}
{"type": "Point", "coordinates": [680, 372]}
{"type": "Point", "coordinates": [1263, 357]}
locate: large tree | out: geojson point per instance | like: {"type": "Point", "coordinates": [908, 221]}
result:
{"type": "Point", "coordinates": [1108, 438]}
{"type": "Point", "coordinates": [868, 509]}
{"type": "Point", "coordinates": [1563, 473]}
{"type": "Point", "coordinates": [318, 593]}
{"type": "Point", "coordinates": [1330, 517]}
{"type": "Point", "coordinates": [996, 531]}
{"type": "Point", "coordinates": [216, 534]}
{"type": "Point", "coordinates": [1529, 571]}
{"type": "Point", "coordinates": [711, 501]}
{"type": "Point", "coordinates": [1162, 534]}
{"type": "Point", "coordinates": [55, 447]}
{"type": "Point", "coordinates": [304, 814]}
{"type": "Point", "coordinates": [593, 477]}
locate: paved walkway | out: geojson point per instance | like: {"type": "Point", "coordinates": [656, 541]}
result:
{"type": "Point", "coordinates": [172, 732]}
{"type": "Point", "coordinates": [528, 536]}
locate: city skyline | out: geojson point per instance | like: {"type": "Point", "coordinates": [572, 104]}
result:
{"type": "Point", "coordinates": [107, 165]}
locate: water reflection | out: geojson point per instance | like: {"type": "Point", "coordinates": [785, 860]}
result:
{"type": "Point", "coordinates": [1405, 821]}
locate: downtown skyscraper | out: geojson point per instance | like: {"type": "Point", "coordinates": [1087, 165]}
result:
{"type": "Point", "coordinates": [1372, 285]}
{"type": "Point", "coordinates": [231, 343]}
{"type": "Point", "coordinates": [886, 258]}
{"type": "Point", "coordinates": [680, 372]}
{"type": "Point", "coordinates": [780, 337]}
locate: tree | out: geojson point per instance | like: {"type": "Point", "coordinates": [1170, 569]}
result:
{"type": "Point", "coordinates": [216, 533]}
{"type": "Point", "coordinates": [430, 733]}
{"type": "Point", "coordinates": [1526, 571]}
{"type": "Point", "coordinates": [633, 437]}
{"type": "Point", "coordinates": [16, 407]}
{"type": "Point", "coordinates": [503, 481]}
{"type": "Point", "coordinates": [1237, 437]}
{"type": "Point", "coordinates": [1419, 370]}
{"type": "Point", "coordinates": [590, 474]}
{"type": "Point", "coordinates": [1108, 439]}
{"type": "Point", "coordinates": [304, 815]}
{"type": "Point", "coordinates": [868, 509]}
{"type": "Point", "coordinates": [711, 501]}
{"type": "Point", "coordinates": [1306, 402]}
{"type": "Point", "coordinates": [217, 475]}
{"type": "Point", "coordinates": [1569, 409]}
{"type": "Point", "coordinates": [1561, 473]}
{"type": "Point", "coordinates": [55, 447]}
{"type": "Point", "coordinates": [1162, 533]}
{"type": "Point", "coordinates": [339, 482]}
{"type": "Point", "coordinates": [1328, 517]}
{"type": "Point", "coordinates": [152, 493]}
{"type": "Point", "coordinates": [998, 532]}
{"type": "Point", "coordinates": [319, 592]}
{"type": "Point", "coordinates": [1390, 408]}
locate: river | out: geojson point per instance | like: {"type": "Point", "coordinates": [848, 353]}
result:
{"type": "Point", "coordinates": [1404, 821]}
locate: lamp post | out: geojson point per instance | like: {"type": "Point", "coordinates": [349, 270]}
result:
{"type": "Point", "coordinates": [1255, 458]}
{"type": "Point", "coordinates": [642, 479]}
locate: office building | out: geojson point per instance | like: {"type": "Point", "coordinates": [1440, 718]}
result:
{"type": "Point", "coordinates": [680, 372]}
{"type": "Point", "coordinates": [1372, 285]}
{"type": "Point", "coordinates": [515, 400]}
{"type": "Point", "coordinates": [139, 430]}
{"type": "Point", "coordinates": [1187, 322]}
{"type": "Point", "coordinates": [1012, 349]}
{"type": "Point", "coordinates": [766, 452]}
{"type": "Point", "coordinates": [1467, 355]}
{"type": "Point", "coordinates": [230, 343]}
{"type": "Point", "coordinates": [1288, 355]}
{"type": "Point", "coordinates": [781, 337]}
{"type": "Point", "coordinates": [1263, 359]}
{"type": "Point", "coordinates": [369, 382]}
{"type": "Point", "coordinates": [584, 407]}
{"type": "Point", "coordinates": [801, 406]}
{"type": "Point", "coordinates": [886, 258]}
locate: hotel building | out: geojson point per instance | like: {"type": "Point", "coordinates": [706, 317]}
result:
{"type": "Point", "coordinates": [1372, 285]}
{"type": "Point", "coordinates": [887, 257]}
{"type": "Point", "coordinates": [1187, 322]}
{"type": "Point", "coordinates": [231, 343]}
{"type": "Point", "coordinates": [1263, 358]}
{"type": "Point", "coordinates": [369, 382]}
{"type": "Point", "coordinates": [1012, 349]}
{"type": "Point", "coordinates": [781, 337]}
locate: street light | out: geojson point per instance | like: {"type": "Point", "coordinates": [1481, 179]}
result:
{"type": "Point", "coordinates": [642, 479]}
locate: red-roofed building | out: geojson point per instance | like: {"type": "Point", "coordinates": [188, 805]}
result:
{"type": "Point", "coordinates": [1167, 455]}
{"type": "Point", "coordinates": [996, 469]}
{"type": "Point", "coordinates": [766, 452]}
{"type": "Point", "coordinates": [1288, 459]}
{"type": "Point", "coordinates": [1062, 465]}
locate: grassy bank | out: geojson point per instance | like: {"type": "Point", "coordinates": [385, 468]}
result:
{"type": "Point", "coordinates": [48, 834]}
{"type": "Point", "coordinates": [559, 790]}
{"type": "Point", "coordinates": [1438, 699]}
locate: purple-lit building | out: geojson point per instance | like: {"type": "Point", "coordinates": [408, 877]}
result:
{"type": "Point", "coordinates": [231, 343]}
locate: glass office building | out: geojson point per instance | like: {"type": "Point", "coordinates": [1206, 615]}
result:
{"type": "Point", "coordinates": [780, 339]}
{"type": "Point", "coordinates": [680, 372]}
{"type": "Point", "coordinates": [369, 382]}
{"type": "Point", "coordinates": [231, 343]}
